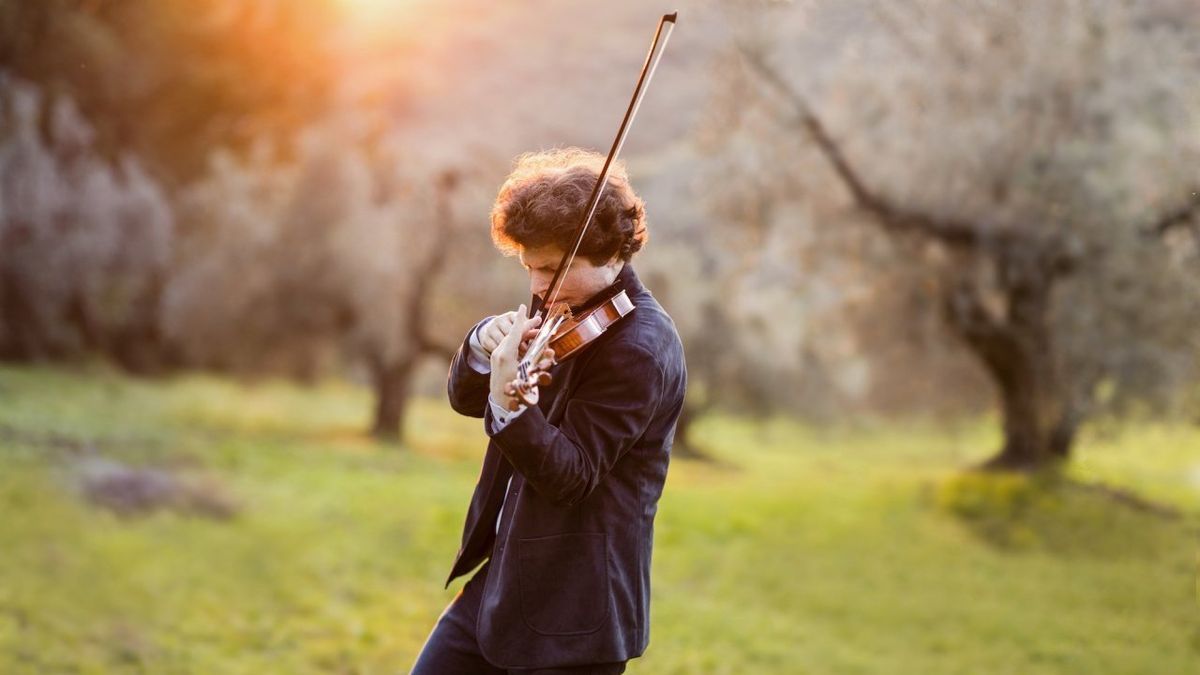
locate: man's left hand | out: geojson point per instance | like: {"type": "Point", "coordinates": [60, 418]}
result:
{"type": "Point", "coordinates": [506, 356]}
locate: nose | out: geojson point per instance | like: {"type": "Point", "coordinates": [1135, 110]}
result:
{"type": "Point", "coordinates": [539, 285]}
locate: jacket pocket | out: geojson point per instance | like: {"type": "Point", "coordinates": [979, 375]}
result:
{"type": "Point", "coordinates": [563, 582]}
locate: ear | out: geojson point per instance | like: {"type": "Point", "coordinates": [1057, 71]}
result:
{"type": "Point", "coordinates": [614, 266]}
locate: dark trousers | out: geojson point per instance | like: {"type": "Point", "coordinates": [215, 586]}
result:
{"type": "Point", "coordinates": [452, 648]}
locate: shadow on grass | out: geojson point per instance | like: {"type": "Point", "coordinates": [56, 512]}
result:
{"type": "Point", "coordinates": [1052, 513]}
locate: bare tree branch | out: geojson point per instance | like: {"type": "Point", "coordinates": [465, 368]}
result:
{"type": "Point", "coordinates": [429, 269]}
{"type": "Point", "coordinates": [1184, 215]}
{"type": "Point", "coordinates": [953, 232]}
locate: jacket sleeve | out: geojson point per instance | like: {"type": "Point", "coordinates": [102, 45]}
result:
{"type": "Point", "coordinates": [606, 415]}
{"type": "Point", "coordinates": [468, 388]}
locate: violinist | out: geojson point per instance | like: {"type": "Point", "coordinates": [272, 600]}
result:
{"type": "Point", "coordinates": [562, 516]}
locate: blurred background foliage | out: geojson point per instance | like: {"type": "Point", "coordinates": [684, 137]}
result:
{"type": "Point", "coordinates": [855, 208]}
{"type": "Point", "coordinates": [868, 215]}
{"type": "Point", "coordinates": [170, 81]}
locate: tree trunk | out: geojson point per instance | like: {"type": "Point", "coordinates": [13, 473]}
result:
{"type": "Point", "coordinates": [393, 379]}
{"type": "Point", "coordinates": [683, 444]}
{"type": "Point", "coordinates": [1018, 352]}
{"type": "Point", "coordinates": [24, 336]}
{"type": "Point", "coordinates": [392, 388]}
{"type": "Point", "coordinates": [1032, 409]}
{"type": "Point", "coordinates": [140, 346]}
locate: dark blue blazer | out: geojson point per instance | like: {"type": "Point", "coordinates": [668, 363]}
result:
{"type": "Point", "coordinates": [569, 578]}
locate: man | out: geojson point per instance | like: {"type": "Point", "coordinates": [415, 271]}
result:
{"type": "Point", "coordinates": [564, 508]}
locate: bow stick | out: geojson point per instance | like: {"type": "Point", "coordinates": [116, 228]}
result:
{"type": "Point", "coordinates": [529, 374]}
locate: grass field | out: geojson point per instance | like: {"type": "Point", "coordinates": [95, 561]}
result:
{"type": "Point", "coordinates": [805, 550]}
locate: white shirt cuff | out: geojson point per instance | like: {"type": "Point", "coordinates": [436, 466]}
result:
{"type": "Point", "coordinates": [501, 416]}
{"type": "Point", "coordinates": [477, 358]}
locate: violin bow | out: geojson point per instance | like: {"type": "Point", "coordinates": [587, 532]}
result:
{"type": "Point", "coordinates": [529, 375]}
{"type": "Point", "coordinates": [665, 25]}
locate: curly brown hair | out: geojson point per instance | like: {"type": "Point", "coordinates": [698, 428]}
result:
{"type": "Point", "coordinates": [543, 200]}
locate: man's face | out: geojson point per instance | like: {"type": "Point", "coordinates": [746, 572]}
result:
{"type": "Point", "coordinates": [583, 279]}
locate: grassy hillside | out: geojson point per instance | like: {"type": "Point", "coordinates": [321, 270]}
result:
{"type": "Point", "coordinates": [293, 545]}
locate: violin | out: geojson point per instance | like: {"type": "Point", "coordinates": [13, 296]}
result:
{"type": "Point", "coordinates": [562, 335]}
{"type": "Point", "coordinates": [570, 334]}
{"type": "Point", "coordinates": [577, 332]}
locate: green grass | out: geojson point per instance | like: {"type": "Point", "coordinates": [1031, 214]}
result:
{"type": "Point", "coordinates": [852, 550]}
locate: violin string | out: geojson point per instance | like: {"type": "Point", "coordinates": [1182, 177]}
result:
{"type": "Point", "coordinates": [541, 339]}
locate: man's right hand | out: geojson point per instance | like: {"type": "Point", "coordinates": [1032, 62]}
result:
{"type": "Point", "coordinates": [498, 328]}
